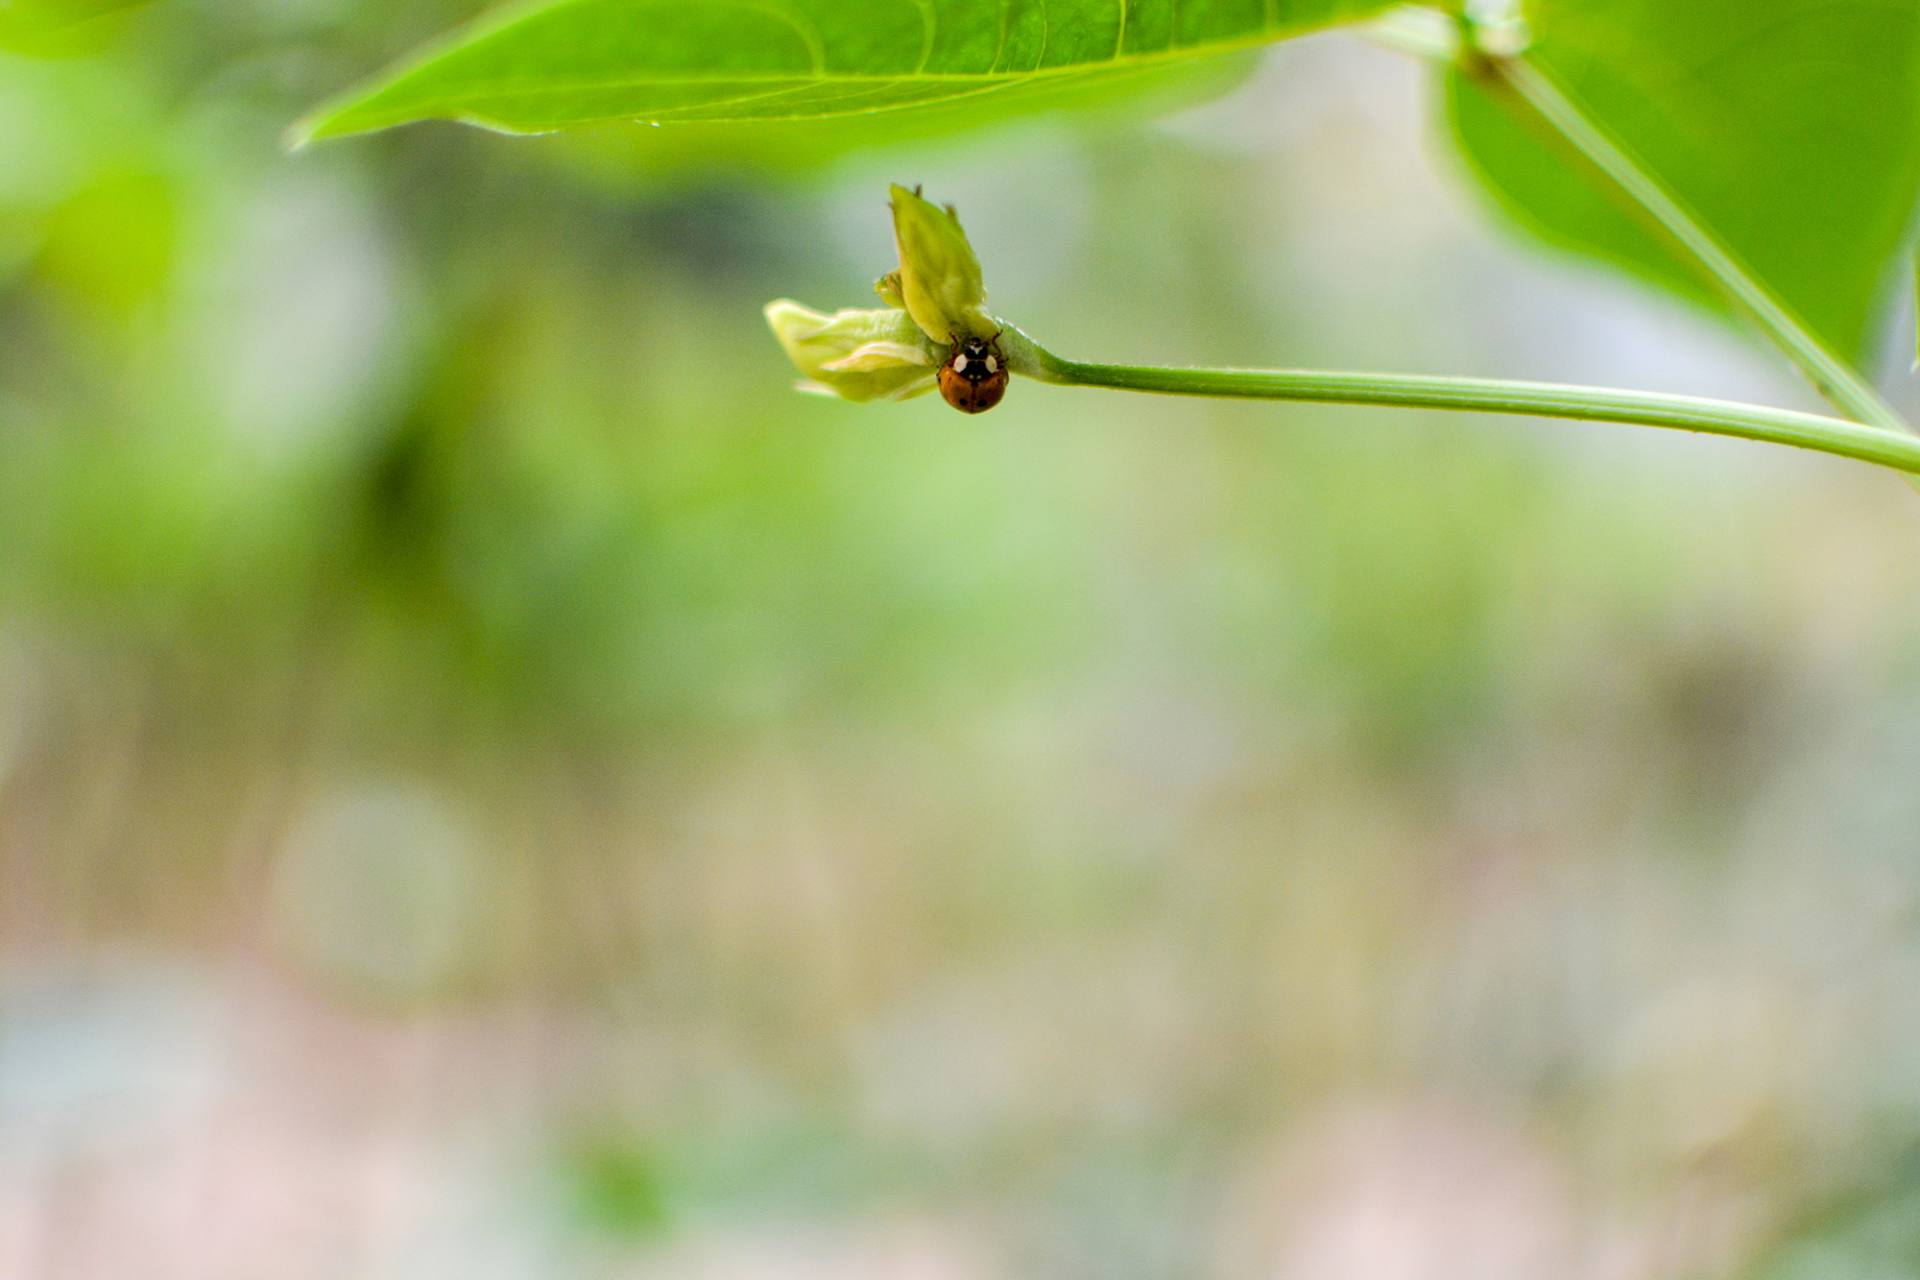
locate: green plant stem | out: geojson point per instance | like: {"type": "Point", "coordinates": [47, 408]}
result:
{"type": "Point", "coordinates": [1443, 37]}
{"type": "Point", "coordinates": [1892, 449]}
{"type": "Point", "coordinates": [1836, 380]}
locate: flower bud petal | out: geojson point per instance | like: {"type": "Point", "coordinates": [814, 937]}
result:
{"type": "Point", "coordinates": [872, 357]}
{"type": "Point", "coordinates": [856, 355]}
{"type": "Point", "coordinates": [939, 278]}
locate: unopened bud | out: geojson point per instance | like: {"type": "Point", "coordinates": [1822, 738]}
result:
{"type": "Point", "coordinates": [856, 355]}
{"type": "Point", "coordinates": [939, 277]}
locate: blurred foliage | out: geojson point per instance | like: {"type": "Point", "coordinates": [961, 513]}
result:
{"type": "Point", "coordinates": [59, 28]}
{"type": "Point", "coordinates": [618, 1189]}
{"type": "Point", "coordinates": [1873, 1230]}
{"type": "Point", "coordinates": [454, 694]}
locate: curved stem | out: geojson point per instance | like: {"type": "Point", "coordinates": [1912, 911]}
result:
{"type": "Point", "coordinates": [1892, 449]}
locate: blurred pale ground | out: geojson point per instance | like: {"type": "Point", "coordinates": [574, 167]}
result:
{"type": "Point", "coordinates": [493, 785]}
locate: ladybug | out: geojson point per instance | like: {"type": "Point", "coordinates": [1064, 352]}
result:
{"type": "Point", "coordinates": [975, 375]}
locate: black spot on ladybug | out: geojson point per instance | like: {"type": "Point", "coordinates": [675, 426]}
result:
{"type": "Point", "coordinates": [974, 378]}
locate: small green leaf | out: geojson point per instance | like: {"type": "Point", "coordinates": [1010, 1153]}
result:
{"type": "Point", "coordinates": [1790, 128]}
{"type": "Point", "coordinates": [565, 63]}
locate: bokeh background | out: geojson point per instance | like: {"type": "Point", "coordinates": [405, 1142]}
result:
{"type": "Point", "coordinates": [494, 785]}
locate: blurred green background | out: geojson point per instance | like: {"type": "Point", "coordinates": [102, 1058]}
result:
{"type": "Point", "coordinates": [493, 784]}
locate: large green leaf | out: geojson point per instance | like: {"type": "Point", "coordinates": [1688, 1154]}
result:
{"type": "Point", "coordinates": [573, 62]}
{"type": "Point", "coordinates": [1791, 128]}
{"type": "Point", "coordinates": [57, 26]}
{"type": "Point", "coordinates": [796, 149]}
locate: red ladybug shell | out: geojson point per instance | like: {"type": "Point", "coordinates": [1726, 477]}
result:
{"type": "Point", "coordinates": [974, 378]}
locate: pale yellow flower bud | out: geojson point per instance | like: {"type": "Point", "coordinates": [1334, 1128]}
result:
{"type": "Point", "coordinates": [939, 276]}
{"type": "Point", "coordinates": [856, 355]}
